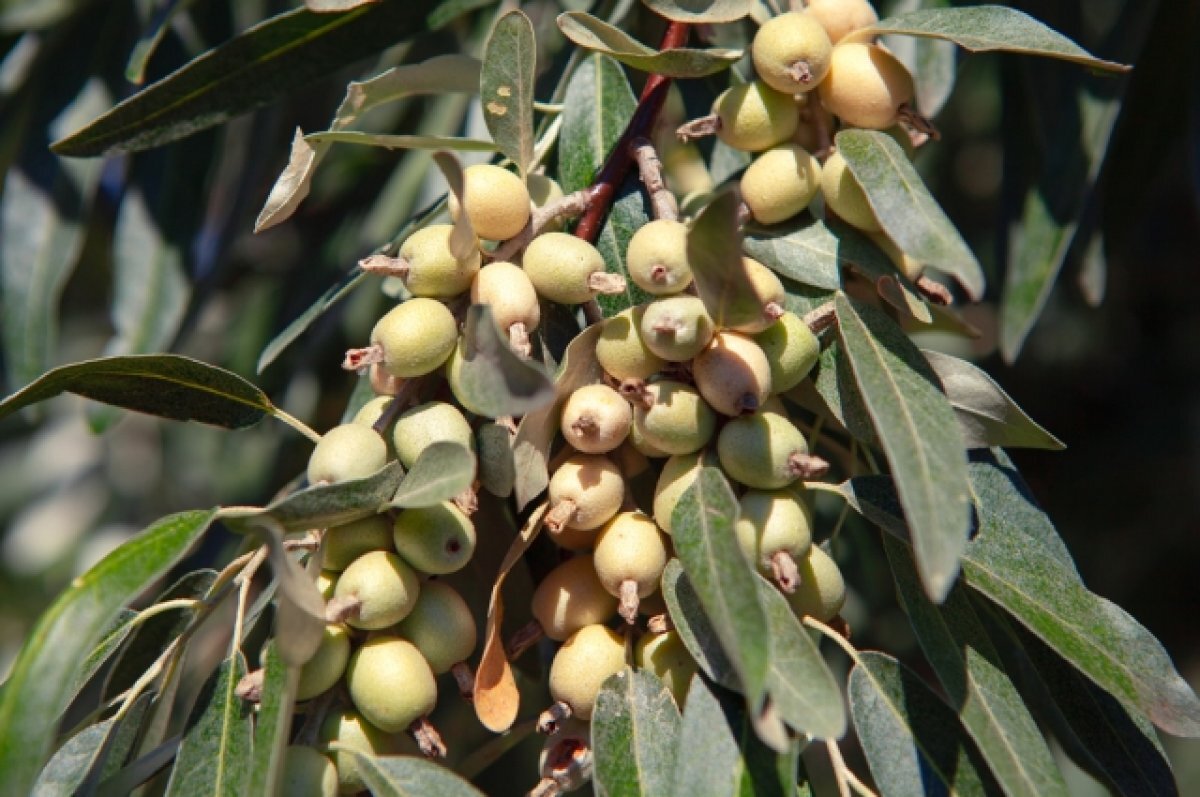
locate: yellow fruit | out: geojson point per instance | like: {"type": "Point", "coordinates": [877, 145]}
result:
{"type": "Point", "coordinates": [582, 664]}
{"type": "Point", "coordinates": [791, 349]}
{"type": "Point", "coordinates": [791, 53]}
{"type": "Point", "coordinates": [435, 539]}
{"type": "Point", "coordinates": [416, 337]}
{"type": "Point", "coordinates": [771, 521]}
{"type": "Point", "coordinates": [866, 85]}
{"type": "Point", "coordinates": [497, 201]}
{"type": "Point", "coordinates": [844, 196]}
{"type": "Point", "coordinates": [441, 626]}
{"type": "Point", "coordinates": [384, 584]}
{"type": "Point", "coordinates": [756, 311]}
{"type": "Point", "coordinates": [780, 183]}
{"type": "Point", "coordinates": [596, 419]}
{"type": "Point", "coordinates": [666, 656]}
{"type": "Point", "coordinates": [559, 266]}
{"type": "Point", "coordinates": [630, 548]}
{"type": "Point", "coordinates": [425, 424]}
{"type": "Point", "coordinates": [508, 291]}
{"type": "Point", "coordinates": [755, 116]}
{"type": "Point", "coordinates": [391, 683]}
{"type": "Point", "coordinates": [349, 729]}
{"type": "Point", "coordinates": [822, 590]}
{"type": "Point", "coordinates": [676, 328]}
{"type": "Point", "coordinates": [759, 450]}
{"type": "Point", "coordinates": [678, 421]}
{"type": "Point", "coordinates": [657, 257]}
{"type": "Point", "coordinates": [347, 542]}
{"type": "Point", "coordinates": [570, 597]}
{"type": "Point", "coordinates": [596, 488]}
{"type": "Point", "coordinates": [733, 374]}
{"type": "Point", "coordinates": [840, 17]}
{"type": "Point", "coordinates": [678, 474]}
{"type": "Point", "coordinates": [327, 665]}
{"type": "Point", "coordinates": [620, 349]}
{"type": "Point", "coordinates": [346, 452]}
{"type": "Point", "coordinates": [432, 270]}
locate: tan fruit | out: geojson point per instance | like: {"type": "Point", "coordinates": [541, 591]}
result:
{"type": "Point", "coordinates": [592, 488]}
{"type": "Point", "coordinates": [416, 337]}
{"type": "Point", "coordinates": [620, 349]}
{"type": "Point", "coordinates": [561, 267]}
{"type": "Point", "coordinates": [753, 312]}
{"type": "Point", "coordinates": [582, 664]}
{"type": "Point", "coordinates": [630, 556]}
{"type": "Point", "coordinates": [570, 597]}
{"type": "Point", "coordinates": [347, 542]}
{"type": "Point", "coordinates": [840, 17]}
{"type": "Point", "coordinates": [391, 683]}
{"type": "Point", "coordinates": [370, 412]}
{"type": "Point", "coordinates": [497, 201]}
{"type": "Point", "coordinates": [385, 586]}
{"type": "Point", "coordinates": [755, 116]}
{"type": "Point", "coordinates": [350, 730]}
{"type": "Point", "coordinates": [544, 191]}
{"type": "Point", "coordinates": [791, 349]}
{"type": "Point", "coordinates": [733, 374]}
{"type": "Point", "coordinates": [595, 419]}
{"type": "Point", "coordinates": [761, 450]}
{"type": "Point", "coordinates": [791, 53]}
{"type": "Point", "coordinates": [346, 452]}
{"type": "Point", "coordinates": [307, 773]}
{"type": "Point", "coordinates": [844, 196]}
{"type": "Point", "coordinates": [686, 170]}
{"type": "Point", "coordinates": [822, 590]}
{"type": "Point", "coordinates": [435, 539]}
{"type": "Point", "coordinates": [432, 270]}
{"type": "Point", "coordinates": [441, 626]}
{"type": "Point", "coordinates": [666, 656]}
{"type": "Point", "coordinates": [657, 257]}
{"type": "Point", "coordinates": [677, 420]}
{"type": "Point", "coordinates": [780, 183]}
{"type": "Point", "coordinates": [676, 328]}
{"type": "Point", "coordinates": [506, 288]}
{"type": "Point", "coordinates": [325, 668]}
{"type": "Point", "coordinates": [866, 85]}
{"type": "Point", "coordinates": [326, 583]}
{"type": "Point", "coordinates": [425, 424]}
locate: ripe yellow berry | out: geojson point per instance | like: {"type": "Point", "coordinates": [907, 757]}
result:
{"type": "Point", "coordinates": [755, 116]}
{"type": "Point", "coordinates": [620, 349]}
{"type": "Point", "coordinates": [676, 328]}
{"type": "Point", "coordinates": [657, 257]}
{"type": "Point", "coordinates": [591, 489]}
{"type": "Point", "coordinates": [581, 666]}
{"type": "Point", "coordinates": [791, 53]}
{"type": "Point", "coordinates": [508, 291]}
{"type": "Point", "coordinates": [822, 590]}
{"type": "Point", "coordinates": [347, 542]}
{"type": "Point", "coordinates": [346, 452]}
{"type": "Point", "coordinates": [792, 350]}
{"type": "Point", "coordinates": [780, 183]}
{"type": "Point", "coordinates": [666, 656]}
{"type": "Point", "coordinates": [678, 474]}
{"type": "Point", "coordinates": [845, 196]}
{"type": "Point", "coordinates": [771, 521]}
{"type": "Point", "coordinates": [391, 683]}
{"type": "Point", "coordinates": [866, 85]}
{"type": "Point", "coordinates": [327, 665]}
{"type": "Point", "coordinates": [497, 201]}
{"type": "Point", "coordinates": [432, 270]}
{"type": "Point", "coordinates": [436, 539]}
{"type": "Point", "coordinates": [441, 626]}
{"type": "Point", "coordinates": [416, 337]}
{"type": "Point", "coordinates": [630, 556]}
{"type": "Point", "coordinates": [570, 597]}
{"type": "Point", "coordinates": [385, 587]}
{"type": "Point", "coordinates": [595, 419]}
{"type": "Point", "coordinates": [756, 311]}
{"type": "Point", "coordinates": [425, 424]}
{"type": "Point", "coordinates": [761, 450]}
{"type": "Point", "coordinates": [840, 17]}
{"type": "Point", "coordinates": [677, 420]}
{"type": "Point", "coordinates": [733, 374]}
{"type": "Point", "coordinates": [562, 267]}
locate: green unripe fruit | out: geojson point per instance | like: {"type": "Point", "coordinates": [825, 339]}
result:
{"type": "Point", "coordinates": [755, 116]}
{"type": "Point", "coordinates": [676, 328]}
{"type": "Point", "coordinates": [637, 439]}
{"type": "Point", "coordinates": [371, 412]}
{"type": "Point", "coordinates": [422, 426]}
{"type": "Point", "coordinates": [840, 17]}
{"type": "Point", "coordinates": [561, 267]}
{"type": "Point", "coordinates": [657, 257]}
{"type": "Point", "coordinates": [761, 450]}
{"type": "Point", "coordinates": [349, 541]}
{"type": "Point", "coordinates": [733, 374]}
{"type": "Point", "coordinates": [595, 419]}
{"type": "Point", "coordinates": [791, 53]}
{"type": "Point", "coordinates": [630, 549]}
{"type": "Point", "coordinates": [770, 522]}
{"type": "Point", "coordinates": [753, 312]}
{"type": "Point", "coordinates": [497, 201]}
{"type": "Point", "coordinates": [416, 337]}
{"type": "Point", "coordinates": [844, 196]}
{"type": "Point", "coordinates": [686, 170]}
{"type": "Point", "coordinates": [508, 291]}
{"type": "Point", "coordinates": [780, 183]}
{"type": "Point", "coordinates": [792, 350]}
{"type": "Point", "coordinates": [391, 683]}
{"type": "Point", "coordinates": [678, 474]}
{"type": "Point", "coordinates": [385, 586]}
{"type": "Point", "coordinates": [433, 270]}
{"type": "Point", "coordinates": [326, 666]}
{"type": "Point", "coordinates": [592, 488]}
{"type": "Point", "coordinates": [866, 85]}
{"type": "Point", "coordinates": [435, 539]}
{"type": "Point", "coordinates": [677, 421]}
{"type": "Point", "coordinates": [570, 597]}
{"type": "Point", "coordinates": [307, 773]}
{"type": "Point", "coordinates": [350, 730]}
{"type": "Point", "coordinates": [822, 590]}
{"type": "Point", "coordinates": [346, 452]}
{"type": "Point", "coordinates": [904, 263]}
{"type": "Point", "coordinates": [666, 656]}
{"type": "Point", "coordinates": [581, 666]}
{"type": "Point", "coordinates": [620, 349]}
{"type": "Point", "coordinates": [441, 626]}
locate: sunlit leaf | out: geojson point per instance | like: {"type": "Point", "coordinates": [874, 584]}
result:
{"type": "Point", "coordinates": [694, 627]}
{"type": "Point", "coordinates": [488, 377]}
{"type": "Point", "coordinates": [714, 251]}
{"type": "Point", "coordinates": [598, 36]}
{"type": "Point", "coordinates": [506, 87]}
{"type": "Point", "coordinates": [443, 470]}
{"type": "Point", "coordinates": [409, 776]}
{"type": "Point", "coordinates": [630, 211]}
{"type": "Point", "coordinates": [272, 723]}
{"type": "Point", "coordinates": [215, 755]}
{"type": "Point", "coordinates": [806, 251]}
{"type": "Point", "coordinates": [463, 243]}
{"type": "Point", "coordinates": [701, 12]}
{"type": "Point", "coordinates": [497, 466]}
{"type": "Point", "coordinates": [400, 141]}
{"type": "Point", "coordinates": [324, 505]}
{"type": "Point", "coordinates": [87, 751]}
{"type": "Point", "coordinates": [596, 108]}
{"type": "Point", "coordinates": [635, 727]}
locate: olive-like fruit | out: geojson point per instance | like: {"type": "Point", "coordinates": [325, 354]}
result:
{"type": "Point", "coordinates": [733, 374]}
{"type": "Point", "coordinates": [792, 350]}
{"type": "Point", "coordinates": [350, 730]}
{"type": "Point", "coordinates": [441, 626]}
{"type": "Point", "coordinates": [657, 257]}
{"type": "Point", "coordinates": [666, 656]}
{"type": "Point", "coordinates": [544, 191]}
{"type": "Point", "coordinates": [678, 474]}
{"type": "Point", "coordinates": [307, 773]}
{"type": "Point", "coordinates": [327, 665]}
{"type": "Point", "coordinates": [591, 487]}
{"type": "Point", "coordinates": [425, 424]}
{"type": "Point", "coordinates": [433, 270]}
{"type": "Point", "coordinates": [370, 412]}
{"type": "Point", "coordinates": [416, 337]}
{"type": "Point", "coordinates": [822, 590]}
{"type": "Point", "coordinates": [497, 201]}
{"type": "Point", "coordinates": [757, 309]}
{"type": "Point", "coordinates": [780, 183]}
{"type": "Point", "coordinates": [347, 542]}
{"type": "Point", "coordinates": [840, 17]}
{"type": "Point", "coordinates": [581, 666]}
{"type": "Point", "coordinates": [346, 452]}
{"type": "Point", "coordinates": [391, 683]}
{"type": "Point", "coordinates": [562, 267]}
{"type": "Point", "coordinates": [686, 170]}
{"type": "Point", "coordinates": [620, 349]}
{"type": "Point", "coordinates": [866, 85]}
{"type": "Point", "coordinates": [435, 539]}
{"type": "Point", "coordinates": [385, 586]}
{"type": "Point", "coordinates": [676, 328]}
{"type": "Point", "coordinates": [630, 556]}
{"type": "Point", "coordinates": [755, 116]}
{"type": "Point", "coordinates": [677, 420]}
{"type": "Point", "coordinates": [507, 289]}
{"type": "Point", "coordinates": [791, 52]}
{"type": "Point", "coordinates": [595, 419]}
{"type": "Point", "coordinates": [570, 597]}
{"type": "Point", "coordinates": [761, 450]}
{"type": "Point", "coordinates": [771, 521]}
{"type": "Point", "coordinates": [845, 196]}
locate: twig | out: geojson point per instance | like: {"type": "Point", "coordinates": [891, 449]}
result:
{"type": "Point", "coordinates": [846, 779]}
{"type": "Point", "coordinates": [662, 201]}
{"type": "Point", "coordinates": [568, 206]}
{"type": "Point", "coordinates": [821, 318]}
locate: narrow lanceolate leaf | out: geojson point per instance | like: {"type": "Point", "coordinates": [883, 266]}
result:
{"type": "Point", "coordinates": [41, 681]}
{"type": "Point", "coordinates": [969, 667]}
{"type": "Point", "coordinates": [699, 13]}
{"type": "Point", "coordinates": [257, 66]}
{"type": "Point", "coordinates": [635, 728]}
{"type": "Point", "coordinates": [449, 10]}
{"type": "Point", "coordinates": [913, 741]}
{"type": "Point", "coordinates": [714, 249]}
{"type": "Point", "coordinates": [598, 36]}
{"type": "Point", "coordinates": [906, 210]}
{"type": "Point", "coordinates": [987, 415]}
{"type": "Point", "coordinates": [43, 215]}
{"type": "Point", "coordinates": [463, 243]}
{"type": "Point", "coordinates": [489, 378]}
{"type": "Point", "coordinates": [215, 755]}
{"type": "Point", "coordinates": [327, 505]}
{"type": "Point", "coordinates": [409, 776]}
{"type": "Point", "coordinates": [166, 385]}
{"type": "Point", "coordinates": [932, 62]}
{"type": "Point", "coordinates": [807, 251]}
{"type": "Point", "coordinates": [799, 683]}
{"type": "Point", "coordinates": [336, 292]}
{"type": "Point", "coordinates": [442, 471]}
{"type": "Point", "coordinates": [986, 28]}
{"type": "Point", "coordinates": [272, 723]}
{"type": "Point", "coordinates": [919, 436]}
{"type": "Point", "coordinates": [86, 752]}
{"type": "Point", "coordinates": [695, 629]}
{"type": "Point", "coordinates": [153, 33]}
{"type": "Point", "coordinates": [629, 213]}
{"type": "Point", "coordinates": [596, 108]}
{"type": "Point", "coordinates": [836, 388]}
{"type": "Point", "coordinates": [702, 529]}
{"type": "Point", "coordinates": [506, 87]}
{"type": "Point", "coordinates": [497, 466]}
{"type": "Point", "coordinates": [400, 141]}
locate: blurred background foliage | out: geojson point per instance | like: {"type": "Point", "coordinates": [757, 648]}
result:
{"type": "Point", "coordinates": [155, 252]}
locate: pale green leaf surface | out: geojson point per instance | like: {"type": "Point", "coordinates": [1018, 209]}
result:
{"type": "Point", "coordinates": [492, 380]}
{"type": "Point", "coordinates": [463, 243]}
{"type": "Point", "coordinates": [714, 251]}
{"type": "Point", "coordinates": [110, 642]}
{"type": "Point", "coordinates": [215, 755]}
{"type": "Point", "coordinates": [442, 471]}
{"type": "Point", "coordinates": [806, 250]}
{"type": "Point", "coordinates": [838, 393]}
{"type": "Point", "coordinates": [272, 723]}
{"type": "Point", "coordinates": [598, 36]}
{"type": "Point", "coordinates": [629, 212]}
{"type": "Point", "coordinates": [597, 106]}
{"type": "Point", "coordinates": [695, 629]}
{"type": "Point", "coordinates": [932, 62]}
{"type": "Point", "coordinates": [83, 753]}
{"type": "Point", "coordinates": [635, 727]}
{"type": "Point", "coordinates": [701, 11]}
{"type": "Point", "coordinates": [906, 210]}
{"type": "Point", "coordinates": [919, 436]}
{"type": "Point", "coordinates": [324, 505]}
{"type": "Point", "coordinates": [40, 683]}
{"type": "Point", "coordinates": [409, 776]}
{"type": "Point", "coordinates": [506, 87]}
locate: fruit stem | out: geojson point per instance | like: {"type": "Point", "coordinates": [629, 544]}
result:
{"type": "Point", "coordinates": [629, 600]}
{"type": "Point", "coordinates": [934, 291]}
{"type": "Point", "coordinates": [659, 624]}
{"type": "Point", "coordinates": [662, 201]}
{"type": "Point", "coordinates": [250, 687]}
{"type": "Point", "coordinates": [518, 338]}
{"type": "Point", "coordinates": [297, 424]}
{"type": "Point", "coordinates": [525, 637]}
{"type": "Point", "coordinates": [338, 610]}
{"type": "Point", "coordinates": [846, 779]}
{"type": "Point", "coordinates": [550, 719]}
{"type": "Point", "coordinates": [357, 359]}
{"type": "Point", "coordinates": [807, 466]}
{"type": "Point", "coordinates": [385, 266]}
{"type": "Point", "coordinates": [560, 515]}
{"type": "Point", "coordinates": [698, 128]}
{"type": "Point", "coordinates": [801, 72]}
{"type": "Point", "coordinates": [428, 738]}
{"type": "Point", "coordinates": [606, 283]}
{"type": "Point", "coordinates": [570, 205]}
{"type": "Point", "coordinates": [911, 117]}
{"type": "Point", "coordinates": [821, 319]}
{"type": "Point", "coordinates": [785, 572]}
{"type": "Point", "coordinates": [465, 679]}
